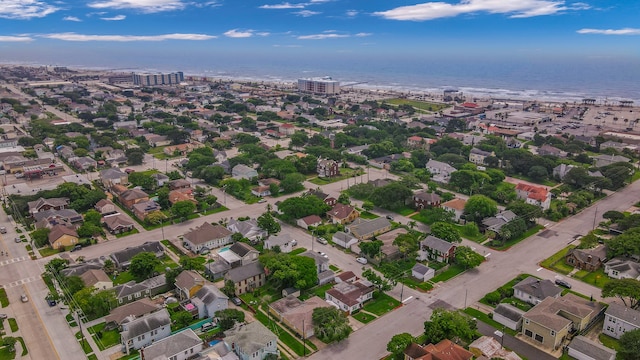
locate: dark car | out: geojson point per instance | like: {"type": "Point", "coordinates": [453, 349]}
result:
{"type": "Point", "coordinates": [51, 302]}
{"type": "Point", "coordinates": [236, 301]}
{"type": "Point", "coordinates": [77, 247]}
{"type": "Point", "coordinates": [563, 283]}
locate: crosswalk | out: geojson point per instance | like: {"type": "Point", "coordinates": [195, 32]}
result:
{"type": "Point", "coordinates": [13, 260]}
{"type": "Point", "coordinates": [19, 282]}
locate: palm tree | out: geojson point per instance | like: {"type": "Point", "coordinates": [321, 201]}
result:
{"type": "Point", "coordinates": [412, 224]}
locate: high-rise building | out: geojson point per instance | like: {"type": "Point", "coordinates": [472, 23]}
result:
{"type": "Point", "coordinates": [324, 85]}
{"type": "Point", "coordinates": [158, 79]}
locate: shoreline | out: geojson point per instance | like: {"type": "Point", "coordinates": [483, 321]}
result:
{"type": "Point", "coordinates": [471, 93]}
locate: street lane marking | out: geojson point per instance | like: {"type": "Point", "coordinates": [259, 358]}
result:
{"type": "Point", "coordinates": [20, 282]}
{"type": "Point", "coordinates": [487, 255]}
{"type": "Point", "coordinates": [539, 269]}
{"type": "Point", "coordinates": [11, 261]}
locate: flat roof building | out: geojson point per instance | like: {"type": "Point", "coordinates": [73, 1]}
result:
{"type": "Point", "coordinates": [324, 85]}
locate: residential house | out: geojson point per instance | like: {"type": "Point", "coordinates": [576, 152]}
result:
{"type": "Point", "coordinates": [61, 236]}
{"type": "Point", "coordinates": [487, 347]}
{"type": "Point", "coordinates": [418, 142]}
{"type": "Point", "coordinates": [145, 330]}
{"type": "Point", "coordinates": [327, 168]}
{"type": "Point", "coordinates": [182, 195]}
{"type": "Point", "coordinates": [363, 229]}
{"type": "Point", "coordinates": [239, 254]}
{"type": "Point", "coordinates": [187, 283]}
{"type": "Point", "coordinates": [179, 184]}
{"type": "Point", "coordinates": [422, 272]}
{"type": "Point", "coordinates": [583, 348]}
{"type": "Point", "coordinates": [297, 314]}
{"type": "Point", "coordinates": [144, 208]}
{"type": "Point", "coordinates": [343, 239]}
{"type": "Point", "coordinates": [604, 160]}
{"type": "Point", "coordinates": [85, 163]}
{"type": "Point", "coordinates": [560, 171]}
{"type": "Point", "coordinates": [130, 197]}
{"type": "Point", "coordinates": [216, 269]}
{"type": "Point", "coordinates": [252, 341]}
{"type": "Point", "coordinates": [112, 176]}
{"type": "Point", "coordinates": [179, 346]}
{"type": "Point", "coordinates": [478, 156]}
{"type": "Point", "coordinates": [160, 179]}
{"type": "Point", "coordinates": [248, 229]}
{"type": "Point", "coordinates": [242, 171]}
{"type": "Point", "coordinates": [51, 218]}
{"type": "Point", "coordinates": [342, 214]}
{"type": "Point", "coordinates": [157, 140]}
{"type": "Point", "coordinates": [311, 220]}
{"type": "Point", "coordinates": [456, 206]}
{"type": "Point", "coordinates": [622, 268]}
{"type": "Point", "coordinates": [433, 248]}
{"type": "Point", "coordinates": [441, 171]}
{"type": "Point", "coordinates": [133, 291]}
{"type": "Point", "coordinates": [329, 200]}
{"type": "Point", "coordinates": [118, 223]}
{"type": "Point", "coordinates": [325, 275]}
{"type": "Point", "coordinates": [261, 191]}
{"type": "Point", "coordinates": [445, 349]}
{"type": "Point", "coordinates": [282, 241]}
{"type": "Point", "coordinates": [43, 204]}
{"type": "Point", "coordinates": [346, 276]}
{"type": "Point", "coordinates": [619, 319]}
{"type": "Point", "coordinates": [550, 322]}
{"type": "Point", "coordinates": [587, 259]}
{"type": "Point", "coordinates": [508, 315]}
{"type": "Point", "coordinates": [423, 200]}
{"type": "Point", "coordinates": [122, 258]}
{"type": "Point", "coordinates": [547, 149]}
{"type": "Point", "coordinates": [208, 300]}
{"type": "Point", "coordinates": [532, 290]}
{"type": "Point", "coordinates": [247, 278]}
{"type": "Point", "coordinates": [96, 278]}
{"type": "Point", "coordinates": [135, 309]}
{"type": "Point", "coordinates": [182, 149]}
{"type": "Point", "coordinates": [287, 129]}
{"type": "Point", "coordinates": [495, 223]}
{"type": "Point", "coordinates": [207, 236]}
{"type": "Point", "coordinates": [535, 195]}
{"type": "Point", "coordinates": [106, 207]}
{"type": "Point", "coordinates": [350, 297]}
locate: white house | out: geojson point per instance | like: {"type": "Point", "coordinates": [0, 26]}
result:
{"type": "Point", "coordinates": [583, 348]}
{"type": "Point", "coordinates": [422, 272]}
{"type": "Point", "coordinates": [283, 241]}
{"type": "Point", "coordinates": [207, 236]}
{"type": "Point", "coordinates": [622, 268]}
{"type": "Point", "coordinates": [532, 290]}
{"type": "Point", "coordinates": [619, 319]}
{"type": "Point", "coordinates": [349, 297]}
{"type": "Point", "coordinates": [252, 341]}
{"type": "Point", "coordinates": [145, 330]}
{"type": "Point", "coordinates": [508, 315]}
{"type": "Point", "coordinates": [208, 300]}
{"type": "Point", "coordinates": [241, 171]}
{"type": "Point", "coordinates": [343, 239]}
{"type": "Point", "coordinates": [179, 346]}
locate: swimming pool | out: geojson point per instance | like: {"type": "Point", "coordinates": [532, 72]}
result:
{"type": "Point", "coordinates": [213, 342]}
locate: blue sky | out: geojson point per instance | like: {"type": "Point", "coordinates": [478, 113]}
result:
{"type": "Point", "coordinates": [33, 29]}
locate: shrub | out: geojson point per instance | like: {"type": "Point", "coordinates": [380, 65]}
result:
{"type": "Point", "coordinates": [493, 297]}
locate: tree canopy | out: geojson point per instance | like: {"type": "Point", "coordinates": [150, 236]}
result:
{"type": "Point", "coordinates": [301, 206]}
{"type": "Point", "coordinates": [286, 270]}
{"type": "Point", "coordinates": [468, 258]}
{"type": "Point", "coordinates": [452, 325]}
{"type": "Point", "coordinates": [398, 343]}
{"type": "Point", "coordinates": [446, 231]}
{"type": "Point", "coordinates": [627, 290]}
{"type": "Point", "coordinates": [479, 207]}
{"type": "Point", "coordinates": [330, 324]}
{"type": "Point", "coordinates": [629, 348]}
{"type": "Point", "coordinates": [143, 265]}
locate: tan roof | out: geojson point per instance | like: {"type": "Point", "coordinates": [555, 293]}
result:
{"type": "Point", "coordinates": [188, 279]}
{"type": "Point", "coordinates": [58, 231]}
{"type": "Point", "coordinates": [548, 312]}
{"type": "Point", "coordinates": [457, 204]}
{"type": "Point", "coordinates": [297, 312]}
{"type": "Point", "coordinates": [94, 276]}
{"type": "Point", "coordinates": [135, 309]}
{"type": "Point", "coordinates": [340, 211]}
{"type": "Point", "coordinates": [206, 232]}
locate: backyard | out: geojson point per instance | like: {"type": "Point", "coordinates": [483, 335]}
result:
{"type": "Point", "coordinates": [104, 339]}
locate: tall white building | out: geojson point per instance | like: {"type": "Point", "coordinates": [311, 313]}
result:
{"type": "Point", "coordinates": [158, 79]}
{"type": "Point", "coordinates": [324, 85]}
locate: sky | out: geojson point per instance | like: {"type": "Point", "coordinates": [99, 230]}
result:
{"type": "Point", "coordinates": [99, 30]}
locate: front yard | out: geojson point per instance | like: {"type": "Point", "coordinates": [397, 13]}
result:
{"type": "Point", "coordinates": [381, 304]}
{"type": "Point", "coordinates": [556, 261]}
{"type": "Point", "coordinates": [104, 339]}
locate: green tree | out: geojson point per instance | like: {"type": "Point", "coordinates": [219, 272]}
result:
{"type": "Point", "coordinates": [344, 199]}
{"type": "Point", "coordinates": [380, 282]}
{"type": "Point", "coordinates": [330, 324]}
{"type": "Point", "coordinates": [143, 265]}
{"type": "Point", "coordinates": [538, 173]}
{"type": "Point", "coordinates": [181, 319]}
{"type": "Point", "coordinates": [367, 205]}
{"type": "Point", "coordinates": [10, 343]}
{"type": "Point", "coordinates": [88, 230]}
{"type": "Point", "coordinates": [143, 180]}
{"type": "Point", "coordinates": [227, 318]}
{"type": "Point", "coordinates": [182, 209]}
{"type": "Point", "coordinates": [392, 196]}
{"type": "Point", "coordinates": [407, 244]}
{"type": "Point", "coordinates": [109, 266]}
{"type": "Point", "coordinates": [95, 303]}
{"type": "Point", "coordinates": [93, 217]}
{"type": "Point", "coordinates": [627, 290]}
{"type": "Point", "coordinates": [267, 222]}
{"type": "Point", "coordinates": [299, 139]}
{"type": "Point", "coordinates": [371, 248]}
{"type": "Point", "coordinates": [433, 215]}
{"type": "Point", "coordinates": [135, 156]}
{"type": "Point", "coordinates": [452, 325]}
{"type": "Point", "coordinates": [286, 270]}
{"type": "Point", "coordinates": [41, 236]}
{"type": "Point", "coordinates": [229, 288]}
{"type": "Point", "coordinates": [467, 258]}
{"type": "Point", "coordinates": [479, 207]}
{"type": "Point", "coordinates": [299, 207]}
{"type": "Point", "coordinates": [446, 231]}
{"type": "Point", "coordinates": [613, 215]}
{"type": "Point", "coordinates": [56, 265]}
{"type": "Point", "coordinates": [292, 182]}
{"type": "Point", "coordinates": [629, 348]}
{"type": "Point", "coordinates": [188, 263]}
{"type": "Point", "coordinates": [398, 344]}
{"type": "Point", "coordinates": [73, 284]}
{"type": "Point", "coordinates": [525, 211]}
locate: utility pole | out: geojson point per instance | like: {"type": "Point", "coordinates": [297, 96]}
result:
{"type": "Point", "coordinates": [595, 215]}
{"type": "Point", "coordinates": [304, 346]}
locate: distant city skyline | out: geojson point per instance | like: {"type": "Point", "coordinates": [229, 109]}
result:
{"type": "Point", "coordinates": [82, 32]}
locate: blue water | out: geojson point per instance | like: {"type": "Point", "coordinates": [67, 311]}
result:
{"type": "Point", "coordinates": [224, 249]}
{"type": "Point", "coordinates": [213, 342]}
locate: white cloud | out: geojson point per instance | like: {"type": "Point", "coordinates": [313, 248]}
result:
{"type": "Point", "coordinates": [513, 8]}
{"type": "Point", "coordinates": [624, 31]}
{"type": "Point", "coordinates": [71, 18]}
{"type": "Point", "coordinates": [306, 13]}
{"type": "Point", "coordinates": [114, 18]}
{"type": "Point", "coordinates": [147, 6]}
{"type": "Point", "coordinates": [322, 36]}
{"type": "Point", "coordinates": [126, 38]}
{"type": "Point", "coordinates": [284, 5]}
{"type": "Point", "coordinates": [352, 13]}
{"type": "Point", "coordinates": [235, 33]}
{"type": "Point", "coordinates": [362, 34]}
{"type": "Point", "coordinates": [25, 9]}
{"type": "Point", "coordinates": [15, 39]}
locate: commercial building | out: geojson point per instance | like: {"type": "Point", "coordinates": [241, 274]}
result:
{"type": "Point", "coordinates": [158, 79]}
{"type": "Point", "coordinates": [323, 85]}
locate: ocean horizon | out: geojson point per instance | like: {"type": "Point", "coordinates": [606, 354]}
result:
{"type": "Point", "coordinates": [563, 80]}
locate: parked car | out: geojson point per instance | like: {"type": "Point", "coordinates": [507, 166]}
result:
{"type": "Point", "coordinates": [322, 241]}
{"type": "Point", "coordinates": [389, 217]}
{"type": "Point", "coordinates": [24, 298]}
{"type": "Point", "coordinates": [563, 283]}
{"type": "Point", "coordinates": [236, 301]}
{"type": "Point", "coordinates": [361, 260]}
{"type": "Point", "coordinates": [206, 327]}
{"type": "Point", "coordinates": [262, 201]}
{"type": "Point", "coordinates": [51, 302]}
{"type": "Point", "coordinates": [3, 316]}
{"type": "Point", "coordinates": [3, 230]}
{"type": "Point", "coordinates": [17, 240]}
{"type": "Point", "coordinates": [76, 248]}
{"type": "Point", "coordinates": [322, 254]}
{"type": "Point", "coordinates": [294, 242]}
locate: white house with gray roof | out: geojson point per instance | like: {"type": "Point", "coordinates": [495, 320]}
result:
{"type": "Point", "coordinates": [241, 171]}
{"type": "Point", "coordinates": [252, 341]}
{"type": "Point", "coordinates": [532, 290]}
{"type": "Point", "coordinates": [619, 319]}
{"type": "Point", "coordinates": [207, 236]}
{"type": "Point", "coordinates": [364, 229]}
{"type": "Point", "coordinates": [343, 239]}
{"type": "Point", "coordinates": [433, 248]}
{"type": "Point", "coordinates": [122, 258]}
{"type": "Point", "coordinates": [208, 300]}
{"type": "Point", "coordinates": [179, 346]}
{"type": "Point", "coordinates": [145, 330]}
{"type": "Point", "coordinates": [441, 171]}
{"type": "Point", "coordinates": [282, 241]}
{"type": "Point", "coordinates": [622, 268]}
{"type": "Point", "coordinates": [583, 348]}
{"type": "Point", "coordinates": [508, 315]}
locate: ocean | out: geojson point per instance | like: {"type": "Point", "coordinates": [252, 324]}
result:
{"type": "Point", "coordinates": [565, 79]}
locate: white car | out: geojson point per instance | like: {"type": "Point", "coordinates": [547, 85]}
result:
{"type": "Point", "coordinates": [361, 260]}
{"type": "Point", "coordinates": [24, 298]}
{"type": "Point", "coordinates": [322, 241]}
{"type": "Point", "coordinates": [322, 254]}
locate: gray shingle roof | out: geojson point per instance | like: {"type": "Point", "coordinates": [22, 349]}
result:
{"type": "Point", "coordinates": [369, 227]}
{"type": "Point", "coordinates": [624, 313]}
{"type": "Point", "coordinates": [420, 268]}
{"type": "Point", "coordinates": [509, 311]}
{"type": "Point", "coordinates": [437, 244]}
{"type": "Point", "coordinates": [244, 272]}
{"type": "Point", "coordinates": [210, 293]}
{"type": "Point", "coordinates": [207, 232]}
{"type": "Point", "coordinates": [591, 348]}
{"type": "Point", "coordinates": [250, 337]}
{"type": "Point", "coordinates": [145, 324]}
{"type": "Point", "coordinates": [540, 289]}
{"type": "Point", "coordinates": [125, 255]}
{"type": "Point", "coordinates": [172, 345]}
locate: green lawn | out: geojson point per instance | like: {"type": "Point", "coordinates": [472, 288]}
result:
{"type": "Point", "coordinates": [291, 342]}
{"type": "Point", "coordinates": [422, 105]}
{"type": "Point", "coordinates": [4, 300]}
{"type": "Point", "coordinates": [452, 271]}
{"type": "Point", "coordinates": [416, 284]}
{"type": "Point", "coordinates": [127, 233]}
{"type": "Point", "coordinates": [92, 357]}
{"type": "Point", "coordinates": [363, 317]}
{"type": "Point", "coordinates": [214, 211]}
{"type": "Point", "coordinates": [123, 277]}
{"type": "Point", "coordinates": [556, 261]}
{"type": "Point", "coordinates": [596, 278]}
{"type": "Point", "coordinates": [318, 291]}
{"type": "Point", "coordinates": [84, 343]}
{"type": "Point", "coordinates": [517, 303]}
{"type": "Point", "coordinates": [514, 241]}
{"type": "Point", "coordinates": [344, 174]}
{"type": "Point", "coordinates": [404, 211]}
{"type": "Point", "coordinates": [479, 238]}
{"type": "Point", "coordinates": [13, 324]}
{"type": "Point", "coordinates": [25, 351]}
{"type": "Point", "coordinates": [381, 304]}
{"type": "Point", "coordinates": [334, 268]}
{"type": "Point", "coordinates": [104, 339]}
{"type": "Point", "coordinates": [367, 215]}
{"type": "Point", "coordinates": [172, 247]}
{"type": "Point", "coordinates": [47, 251]}
{"type": "Point", "coordinates": [609, 342]}
{"type": "Point", "coordinates": [298, 251]}
{"type": "Point", "coordinates": [5, 354]}
{"type": "Point", "coordinates": [480, 316]}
